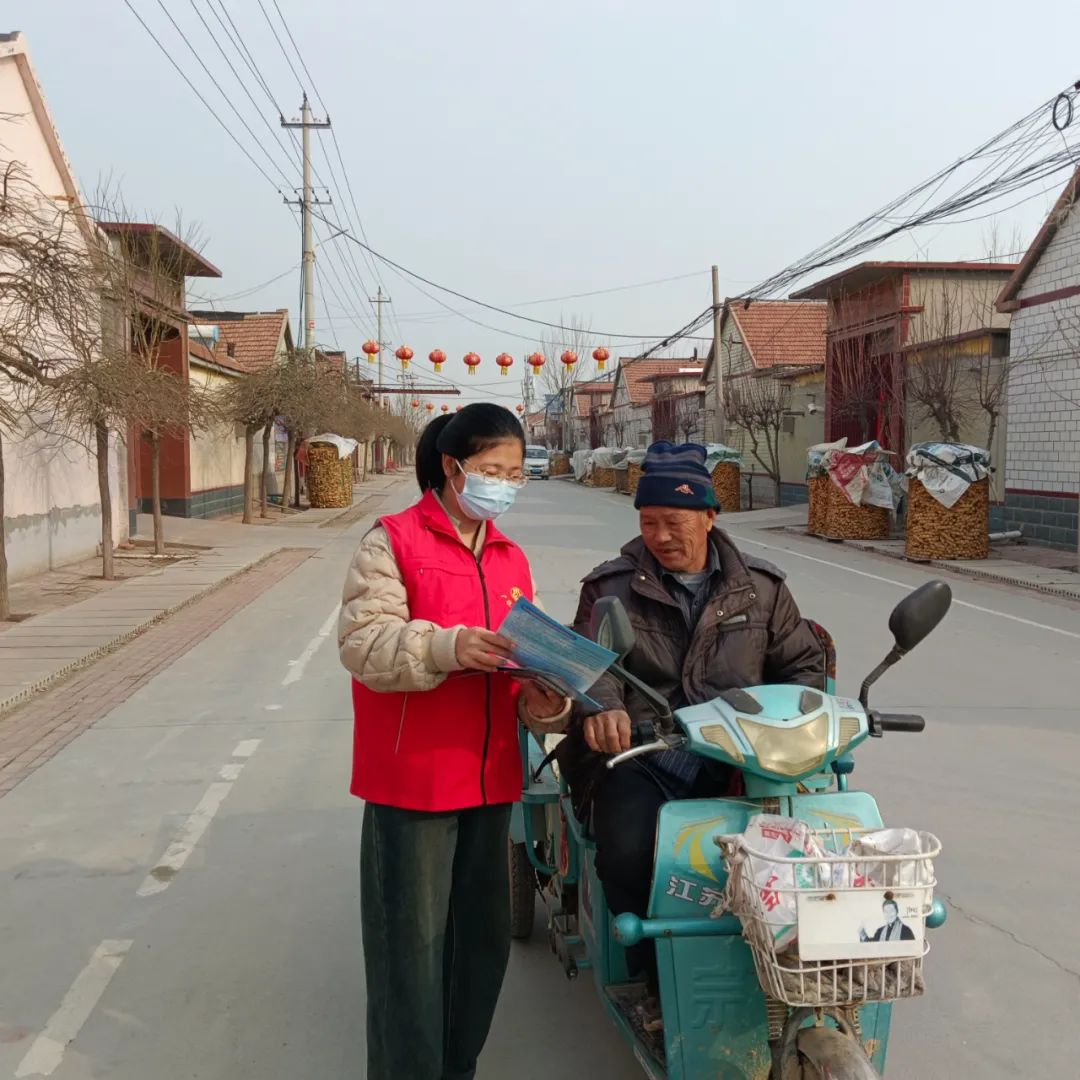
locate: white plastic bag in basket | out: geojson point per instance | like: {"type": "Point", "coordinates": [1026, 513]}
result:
{"type": "Point", "coordinates": [776, 882]}
{"type": "Point", "coordinates": [904, 873]}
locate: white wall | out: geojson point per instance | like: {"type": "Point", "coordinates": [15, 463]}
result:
{"type": "Point", "coordinates": [52, 509]}
{"type": "Point", "coordinates": [1043, 435]}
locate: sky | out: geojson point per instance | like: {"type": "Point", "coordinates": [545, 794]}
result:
{"type": "Point", "coordinates": [522, 152]}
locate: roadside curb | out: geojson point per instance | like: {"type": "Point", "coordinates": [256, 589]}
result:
{"type": "Point", "coordinates": [1064, 592]}
{"type": "Point", "coordinates": [33, 689]}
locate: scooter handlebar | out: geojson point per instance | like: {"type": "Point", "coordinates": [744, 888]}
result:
{"type": "Point", "coordinates": [882, 722]}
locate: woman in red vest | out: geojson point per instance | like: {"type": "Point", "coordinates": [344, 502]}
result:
{"type": "Point", "coordinates": [435, 746]}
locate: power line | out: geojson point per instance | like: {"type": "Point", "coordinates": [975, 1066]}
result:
{"type": "Point", "coordinates": [228, 100]}
{"type": "Point", "coordinates": [240, 82]}
{"type": "Point", "coordinates": [337, 147]}
{"type": "Point", "coordinates": [225, 127]}
{"type": "Point", "coordinates": [481, 303]}
{"type": "Point", "coordinates": [335, 184]}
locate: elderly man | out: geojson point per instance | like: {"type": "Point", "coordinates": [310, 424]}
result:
{"type": "Point", "coordinates": [707, 619]}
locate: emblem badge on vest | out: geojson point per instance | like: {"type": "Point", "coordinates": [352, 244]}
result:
{"type": "Point", "coordinates": [512, 597]}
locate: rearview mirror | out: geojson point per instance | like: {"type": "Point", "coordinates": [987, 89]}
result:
{"type": "Point", "coordinates": [918, 613]}
{"type": "Point", "coordinates": [610, 626]}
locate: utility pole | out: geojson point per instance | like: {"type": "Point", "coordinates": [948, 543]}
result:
{"type": "Point", "coordinates": [307, 200]}
{"type": "Point", "coordinates": [720, 423]}
{"type": "Point", "coordinates": [378, 300]}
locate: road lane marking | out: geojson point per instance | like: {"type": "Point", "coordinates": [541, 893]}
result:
{"type": "Point", "coordinates": [191, 832]}
{"type": "Point", "coordinates": [905, 585]}
{"type": "Point", "coordinates": [296, 667]}
{"type": "Point", "coordinates": [178, 852]}
{"type": "Point", "coordinates": [47, 1052]}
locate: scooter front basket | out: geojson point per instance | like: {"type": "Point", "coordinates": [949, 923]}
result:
{"type": "Point", "coordinates": [809, 919]}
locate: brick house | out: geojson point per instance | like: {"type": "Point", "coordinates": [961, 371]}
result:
{"type": "Point", "coordinates": [782, 341]}
{"type": "Point", "coordinates": [633, 391]}
{"type": "Point", "coordinates": [227, 345]}
{"type": "Point", "coordinates": [1042, 466]}
{"type": "Point", "coordinates": [878, 312]}
{"type": "Point", "coordinates": [677, 408]}
{"type": "Point", "coordinates": [591, 401]}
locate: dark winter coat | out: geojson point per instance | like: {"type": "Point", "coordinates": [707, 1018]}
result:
{"type": "Point", "coordinates": [750, 633]}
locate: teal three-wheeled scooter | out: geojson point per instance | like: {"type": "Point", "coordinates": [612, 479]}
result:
{"type": "Point", "coordinates": [794, 747]}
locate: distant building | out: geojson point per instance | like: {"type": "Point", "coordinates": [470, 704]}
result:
{"type": "Point", "coordinates": [635, 385]}
{"type": "Point", "coordinates": [229, 345]}
{"type": "Point", "coordinates": [782, 341]}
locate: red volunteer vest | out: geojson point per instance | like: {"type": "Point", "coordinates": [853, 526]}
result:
{"type": "Point", "coordinates": [455, 746]}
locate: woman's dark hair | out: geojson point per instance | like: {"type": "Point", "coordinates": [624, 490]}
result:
{"type": "Point", "coordinates": [461, 435]}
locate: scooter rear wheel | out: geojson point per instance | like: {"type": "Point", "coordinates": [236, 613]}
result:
{"type": "Point", "coordinates": [522, 893]}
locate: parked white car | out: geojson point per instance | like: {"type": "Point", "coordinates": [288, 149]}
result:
{"type": "Point", "coordinates": [537, 462]}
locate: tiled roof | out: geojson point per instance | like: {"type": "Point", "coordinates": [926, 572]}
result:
{"type": "Point", "coordinates": [637, 373]}
{"type": "Point", "coordinates": [1006, 301]}
{"type": "Point", "coordinates": [198, 351]}
{"type": "Point", "coordinates": [253, 336]}
{"type": "Point", "coordinates": [782, 332]}
{"type": "Point", "coordinates": [590, 395]}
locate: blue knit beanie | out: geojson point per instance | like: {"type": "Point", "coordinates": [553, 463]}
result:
{"type": "Point", "coordinates": [675, 476]}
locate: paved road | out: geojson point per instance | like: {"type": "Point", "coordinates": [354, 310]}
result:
{"type": "Point", "coordinates": [241, 959]}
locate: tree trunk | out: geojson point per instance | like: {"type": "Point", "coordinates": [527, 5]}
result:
{"type": "Point", "coordinates": [249, 474]}
{"type": "Point", "coordinates": [296, 478]}
{"type": "Point", "coordinates": [290, 454]}
{"type": "Point", "coordinates": [5, 596]}
{"type": "Point", "coordinates": [101, 451]}
{"type": "Point", "coordinates": [264, 476]}
{"type": "Point", "coordinates": [155, 493]}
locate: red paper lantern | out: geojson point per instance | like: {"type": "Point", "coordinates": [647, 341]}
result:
{"type": "Point", "coordinates": [429, 407]}
{"type": "Point", "coordinates": [372, 349]}
{"type": "Point", "coordinates": [459, 408]}
{"type": "Point", "coordinates": [446, 408]}
{"type": "Point", "coordinates": [415, 404]}
{"type": "Point", "coordinates": [505, 362]}
{"type": "Point", "coordinates": [404, 354]}
{"type": "Point", "coordinates": [600, 355]}
{"type": "Point", "coordinates": [569, 358]}
{"type": "Point", "coordinates": [438, 358]}
{"type": "Point", "coordinates": [472, 362]}
{"type": "Point", "coordinates": [537, 361]}
{"type": "Point", "coordinates": [520, 409]}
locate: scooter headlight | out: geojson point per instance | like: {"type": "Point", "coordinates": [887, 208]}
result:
{"type": "Point", "coordinates": [789, 751]}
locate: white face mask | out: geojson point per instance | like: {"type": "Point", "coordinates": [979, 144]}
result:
{"type": "Point", "coordinates": [484, 498]}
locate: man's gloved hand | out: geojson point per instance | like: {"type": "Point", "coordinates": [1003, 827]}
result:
{"type": "Point", "coordinates": [608, 732]}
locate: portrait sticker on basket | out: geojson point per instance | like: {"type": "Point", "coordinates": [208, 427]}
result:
{"type": "Point", "coordinates": [862, 924]}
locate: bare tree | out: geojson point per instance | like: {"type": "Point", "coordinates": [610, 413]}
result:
{"type": "Point", "coordinates": [688, 415]}
{"type": "Point", "coordinates": [252, 402]}
{"type": "Point", "coordinates": [59, 328]}
{"type": "Point", "coordinates": [757, 405]}
{"type": "Point", "coordinates": [558, 379]}
{"type": "Point", "coordinates": [935, 373]}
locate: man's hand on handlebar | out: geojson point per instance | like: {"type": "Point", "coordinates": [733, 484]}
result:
{"type": "Point", "coordinates": [608, 732]}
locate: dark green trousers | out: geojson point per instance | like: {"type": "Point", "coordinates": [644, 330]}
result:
{"type": "Point", "coordinates": [435, 912]}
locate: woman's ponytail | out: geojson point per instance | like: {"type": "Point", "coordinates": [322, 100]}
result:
{"type": "Point", "coordinates": [429, 470]}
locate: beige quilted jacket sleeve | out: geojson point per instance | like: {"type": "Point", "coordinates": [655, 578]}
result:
{"type": "Point", "coordinates": [379, 644]}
